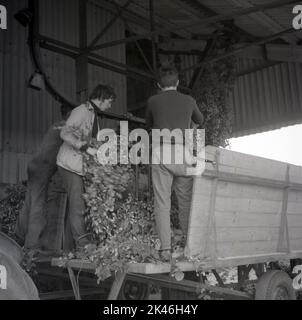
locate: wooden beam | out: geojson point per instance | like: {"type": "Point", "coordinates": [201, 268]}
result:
{"type": "Point", "coordinates": [138, 269]}
{"type": "Point", "coordinates": [103, 62]}
{"type": "Point", "coordinates": [64, 294]}
{"type": "Point", "coordinates": [258, 68]}
{"type": "Point", "coordinates": [152, 28]}
{"type": "Point", "coordinates": [117, 285]}
{"type": "Point", "coordinates": [108, 25]}
{"type": "Point", "coordinates": [179, 52]}
{"type": "Point", "coordinates": [191, 286]}
{"type": "Point", "coordinates": [184, 44]}
{"type": "Point", "coordinates": [198, 8]}
{"type": "Point", "coordinates": [140, 21]}
{"type": "Point", "coordinates": [284, 52]}
{"type": "Point", "coordinates": [217, 18]}
{"type": "Point", "coordinates": [82, 59]}
{"type": "Point", "coordinates": [139, 48]}
{"type": "Point", "coordinates": [284, 232]}
{"type": "Point", "coordinates": [207, 52]}
{"type": "Point", "coordinates": [74, 52]}
{"type": "Point", "coordinates": [240, 49]}
{"type": "Point", "coordinates": [245, 179]}
{"type": "Point", "coordinates": [74, 283]}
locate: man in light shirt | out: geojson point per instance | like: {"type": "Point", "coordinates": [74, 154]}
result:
{"type": "Point", "coordinates": [81, 127]}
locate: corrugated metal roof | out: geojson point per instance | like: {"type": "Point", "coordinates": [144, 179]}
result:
{"type": "Point", "coordinates": [259, 24]}
{"type": "Point", "coordinates": [182, 12]}
{"type": "Point", "coordinates": [264, 100]}
{"type": "Point", "coordinates": [267, 99]}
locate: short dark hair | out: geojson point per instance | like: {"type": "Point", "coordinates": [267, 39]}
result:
{"type": "Point", "coordinates": [103, 92]}
{"type": "Point", "coordinates": [168, 76]}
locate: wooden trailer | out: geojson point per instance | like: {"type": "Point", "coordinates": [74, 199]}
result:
{"type": "Point", "coordinates": [246, 213]}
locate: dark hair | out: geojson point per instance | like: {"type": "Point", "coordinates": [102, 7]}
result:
{"type": "Point", "coordinates": [103, 92]}
{"type": "Point", "coordinates": [168, 76]}
{"type": "Point", "coordinates": [65, 109]}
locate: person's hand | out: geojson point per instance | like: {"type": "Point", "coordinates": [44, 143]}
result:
{"type": "Point", "coordinates": [92, 152]}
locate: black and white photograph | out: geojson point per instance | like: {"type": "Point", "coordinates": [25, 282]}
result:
{"type": "Point", "coordinates": [150, 150]}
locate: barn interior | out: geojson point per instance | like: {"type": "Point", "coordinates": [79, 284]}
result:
{"type": "Point", "coordinates": [57, 51]}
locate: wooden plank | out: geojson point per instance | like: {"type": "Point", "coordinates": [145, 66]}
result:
{"type": "Point", "coordinates": [244, 191]}
{"type": "Point", "coordinates": [203, 214]}
{"type": "Point", "coordinates": [74, 283]}
{"type": "Point", "coordinates": [294, 220]}
{"type": "Point", "coordinates": [234, 248]}
{"type": "Point", "coordinates": [84, 265]}
{"type": "Point", "coordinates": [295, 196]}
{"type": "Point", "coordinates": [117, 285]}
{"type": "Point", "coordinates": [199, 211]}
{"type": "Point", "coordinates": [294, 207]}
{"type": "Point", "coordinates": [245, 179]}
{"type": "Point", "coordinates": [284, 242]}
{"type": "Point", "coordinates": [210, 153]}
{"type": "Point", "coordinates": [194, 286]}
{"type": "Point", "coordinates": [250, 234]}
{"type": "Point", "coordinates": [211, 235]}
{"type": "Point", "coordinates": [202, 185]}
{"type": "Point", "coordinates": [296, 244]}
{"type": "Point", "coordinates": [208, 265]}
{"type": "Point", "coordinates": [232, 261]}
{"type": "Point", "coordinates": [57, 295]}
{"type": "Point", "coordinates": [240, 219]}
{"type": "Point", "coordinates": [295, 174]}
{"type": "Point", "coordinates": [254, 166]}
{"type": "Point", "coordinates": [246, 205]}
{"type": "Point", "coordinates": [199, 205]}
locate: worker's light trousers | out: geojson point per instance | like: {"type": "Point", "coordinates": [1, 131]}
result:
{"type": "Point", "coordinates": [168, 178]}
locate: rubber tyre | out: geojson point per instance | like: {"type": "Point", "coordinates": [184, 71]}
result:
{"type": "Point", "coordinates": [275, 285]}
{"type": "Point", "coordinates": [133, 291]}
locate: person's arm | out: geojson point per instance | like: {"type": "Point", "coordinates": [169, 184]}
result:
{"type": "Point", "coordinates": [71, 132]}
{"type": "Point", "coordinates": [197, 116]}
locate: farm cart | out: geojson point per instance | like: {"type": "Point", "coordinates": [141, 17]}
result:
{"type": "Point", "coordinates": [247, 213]}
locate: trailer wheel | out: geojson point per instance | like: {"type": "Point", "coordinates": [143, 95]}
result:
{"type": "Point", "coordinates": [275, 285]}
{"type": "Point", "coordinates": [132, 290]}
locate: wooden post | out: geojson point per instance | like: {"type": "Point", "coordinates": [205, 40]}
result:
{"type": "Point", "coordinates": [154, 45]}
{"type": "Point", "coordinates": [117, 285]}
{"type": "Point", "coordinates": [211, 238]}
{"type": "Point", "coordinates": [82, 60]}
{"type": "Point", "coordinates": [74, 283]}
{"type": "Point", "coordinates": [284, 234]}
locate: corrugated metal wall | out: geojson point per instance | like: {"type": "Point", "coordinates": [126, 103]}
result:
{"type": "Point", "coordinates": [25, 115]}
{"type": "Point", "coordinates": [22, 118]}
{"type": "Point", "coordinates": [97, 21]}
{"type": "Point", "coordinates": [264, 100]}
{"type": "Point", "coordinates": [267, 99]}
